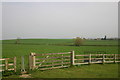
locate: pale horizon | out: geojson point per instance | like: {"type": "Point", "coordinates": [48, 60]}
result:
{"type": "Point", "coordinates": [59, 20]}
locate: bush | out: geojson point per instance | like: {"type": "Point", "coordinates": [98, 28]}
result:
{"type": "Point", "coordinates": [78, 41]}
{"type": "Point", "coordinates": [7, 73]}
{"type": "Point", "coordinates": [17, 41]}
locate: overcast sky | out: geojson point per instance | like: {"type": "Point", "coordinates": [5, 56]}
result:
{"type": "Point", "coordinates": [59, 19]}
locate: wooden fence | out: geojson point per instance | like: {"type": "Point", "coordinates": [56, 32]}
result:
{"type": "Point", "coordinates": [61, 60]}
{"type": "Point", "coordinates": [50, 60]}
{"type": "Point", "coordinates": [58, 60]}
{"type": "Point", "coordinates": [96, 58]}
{"type": "Point", "coordinates": [8, 64]}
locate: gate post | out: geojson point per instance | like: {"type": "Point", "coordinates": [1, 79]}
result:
{"type": "Point", "coordinates": [22, 65]}
{"type": "Point", "coordinates": [32, 61]}
{"type": "Point", "coordinates": [15, 64]}
{"type": "Point", "coordinates": [72, 58]}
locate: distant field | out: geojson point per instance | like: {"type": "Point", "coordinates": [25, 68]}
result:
{"type": "Point", "coordinates": [61, 42]}
{"type": "Point", "coordinates": [43, 46]}
{"type": "Point", "coordinates": [10, 49]}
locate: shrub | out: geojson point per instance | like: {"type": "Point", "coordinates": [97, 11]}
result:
{"type": "Point", "coordinates": [78, 41]}
{"type": "Point", "coordinates": [17, 41]}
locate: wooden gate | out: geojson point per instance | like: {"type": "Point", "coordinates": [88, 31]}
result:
{"type": "Point", "coordinates": [66, 59]}
{"type": "Point", "coordinates": [50, 60]}
{"type": "Point", "coordinates": [8, 64]}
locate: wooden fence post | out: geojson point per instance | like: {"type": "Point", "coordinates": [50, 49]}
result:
{"type": "Point", "coordinates": [114, 58]}
{"type": "Point", "coordinates": [6, 64]}
{"type": "Point", "coordinates": [22, 65]}
{"type": "Point", "coordinates": [34, 64]}
{"type": "Point", "coordinates": [15, 64]}
{"type": "Point", "coordinates": [103, 59]}
{"type": "Point", "coordinates": [33, 60]}
{"type": "Point", "coordinates": [30, 62]}
{"type": "Point", "coordinates": [62, 59]}
{"type": "Point", "coordinates": [72, 58]}
{"type": "Point", "coordinates": [90, 59]}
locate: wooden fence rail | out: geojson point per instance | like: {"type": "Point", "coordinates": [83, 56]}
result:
{"type": "Point", "coordinates": [50, 60]}
{"type": "Point", "coordinates": [97, 58]}
{"type": "Point", "coordinates": [7, 65]}
{"type": "Point", "coordinates": [60, 60]}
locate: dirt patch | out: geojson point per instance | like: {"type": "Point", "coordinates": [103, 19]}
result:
{"type": "Point", "coordinates": [25, 76]}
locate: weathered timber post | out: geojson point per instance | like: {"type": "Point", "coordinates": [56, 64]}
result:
{"type": "Point", "coordinates": [22, 64]}
{"type": "Point", "coordinates": [103, 61]}
{"type": "Point", "coordinates": [62, 59]}
{"type": "Point", "coordinates": [30, 62]}
{"type": "Point", "coordinates": [15, 64]}
{"type": "Point", "coordinates": [114, 58]}
{"type": "Point", "coordinates": [6, 64]}
{"type": "Point", "coordinates": [89, 58]}
{"type": "Point", "coordinates": [72, 58]}
{"type": "Point", "coordinates": [33, 60]}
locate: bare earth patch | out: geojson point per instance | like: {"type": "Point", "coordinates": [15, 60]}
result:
{"type": "Point", "coordinates": [25, 76]}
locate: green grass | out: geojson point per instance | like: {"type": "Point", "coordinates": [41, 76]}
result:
{"type": "Point", "coordinates": [62, 42]}
{"type": "Point", "coordinates": [10, 49]}
{"type": "Point", "coordinates": [83, 71]}
{"type": "Point", "coordinates": [40, 46]}
{"type": "Point", "coordinates": [86, 71]}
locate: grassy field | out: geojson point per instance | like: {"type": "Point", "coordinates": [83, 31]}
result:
{"type": "Point", "coordinates": [48, 46]}
{"type": "Point", "coordinates": [10, 49]}
{"type": "Point", "coordinates": [61, 42]}
{"type": "Point", "coordinates": [83, 71]}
